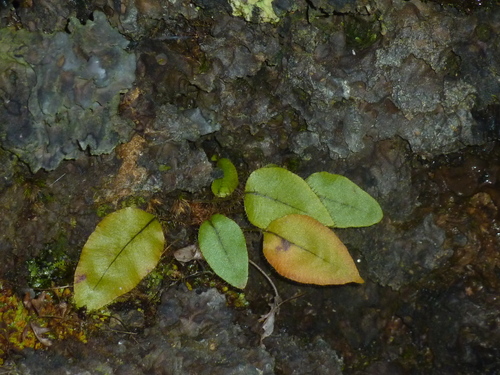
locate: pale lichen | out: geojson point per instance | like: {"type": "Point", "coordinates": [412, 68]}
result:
{"type": "Point", "coordinates": [61, 91]}
{"type": "Point", "coordinates": [248, 8]}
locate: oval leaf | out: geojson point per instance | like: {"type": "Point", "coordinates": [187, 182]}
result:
{"type": "Point", "coordinates": [223, 187]}
{"type": "Point", "coordinates": [347, 203]}
{"type": "Point", "coordinates": [304, 250]}
{"type": "Point", "coordinates": [125, 247]}
{"type": "Point", "coordinates": [273, 192]}
{"type": "Point", "coordinates": [223, 245]}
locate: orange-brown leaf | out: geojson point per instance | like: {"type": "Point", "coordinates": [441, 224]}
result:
{"type": "Point", "coordinates": [304, 250]}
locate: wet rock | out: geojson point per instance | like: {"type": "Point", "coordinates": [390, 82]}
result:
{"type": "Point", "coordinates": [389, 178]}
{"type": "Point", "coordinates": [7, 163]}
{"type": "Point", "coordinates": [315, 357]}
{"type": "Point", "coordinates": [408, 92]}
{"type": "Point", "coordinates": [468, 5]}
{"type": "Point", "coordinates": [189, 124]}
{"type": "Point", "coordinates": [172, 166]}
{"type": "Point", "coordinates": [459, 327]}
{"type": "Point", "coordinates": [358, 93]}
{"type": "Point", "coordinates": [62, 92]}
{"type": "Point", "coordinates": [47, 16]}
{"type": "Point", "coordinates": [414, 49]}
{"type": "Point", "coordinates": [408, 256]}
{"type": "Point", "coordinates": [203, 317]}
{"type": "Point", "coordinates": [352, 81]}
{"type": "Point", "coordinates": [195, 333]}
{"type": "Point", "coordinates": [248, 53]}
{"type": "Point", "coordinates": [153, 18]}
{"type": "Point", "coordinates": [343, 6]}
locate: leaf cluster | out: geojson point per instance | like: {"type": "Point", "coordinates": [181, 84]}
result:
{"type": "Point", "coordinates": [295, 216]}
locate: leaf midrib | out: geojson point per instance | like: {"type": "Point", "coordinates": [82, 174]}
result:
{"type": "Point", "coordinates": [122, 249]}
{"type": "Point", "coordinates": [278, 201]}
{"type": "Point", "coordinates": [300, 247]}
{"type": "Point", "coordinates": [219, 239]}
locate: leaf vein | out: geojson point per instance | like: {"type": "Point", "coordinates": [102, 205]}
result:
{"type": "Point", "coordinates": [122, 249]}
{"type": "Point", "coordinates": [340, 203]}
{"type": "Point", "coordinates": [219, 238]}
{"type": "Point", "coordinates": [301, 247]}
{"type": "Point", "coordinates": [278, 201]}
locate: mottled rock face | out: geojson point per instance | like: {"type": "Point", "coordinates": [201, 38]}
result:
{"type": "Point", "coordinates": [61, 91]}
{"type": "Point", "coordinates": [375, 90]}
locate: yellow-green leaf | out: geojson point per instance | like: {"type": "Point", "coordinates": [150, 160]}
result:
{"type": "Point", "coordinates": [125, 246]}
{"type": "Point", "coordinates": [223, 187]}
{"type": "Point", "coordinates": [223, 245]}
{"type": "Point", "coordinates": [304, 250]}
{"type": "Point", "coordinates": [273, 192]}
{"type": "Point", "coordinates": [347, 203]}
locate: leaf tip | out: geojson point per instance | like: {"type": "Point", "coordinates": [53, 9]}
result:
{"type": "Point", "coordinates": [358, 279]}
{"type": "Point", "coordinates": [241, 286]}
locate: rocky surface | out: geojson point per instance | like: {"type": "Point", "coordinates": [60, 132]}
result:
{"type": "Point", "coordinates": [399, 96]}
{"type": "Point", "coordinates": [61, 91]}
{"type": "Point", "coordinates": [195, 333]}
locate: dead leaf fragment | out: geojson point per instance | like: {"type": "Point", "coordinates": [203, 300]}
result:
{"type": "Point", "coordinates": [188, 253]}
{"type": "Point", "coordinates": [269, 319]}
{"type": "Point", "coordinates": [39, 331]}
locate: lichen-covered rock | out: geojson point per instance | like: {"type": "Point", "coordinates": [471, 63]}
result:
{"type": "Point", "coordinates": [189, 124]}
{"type": "Point", "coordinates": [401, 70]}
{"type": "Point", "coordinates": [61, 92]}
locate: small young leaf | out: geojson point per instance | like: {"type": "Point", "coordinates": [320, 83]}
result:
{"type": "Point", "coordinates": [347, 203]}
{"type": "Point", "coordinates": [273, 192]}
{"type": "Point", "coordinates": [222, 187]}
{"type": "Point", "coordinates": [123, 249]}
{"type": "Point", "coordinates": [223, 245]}
{"type": "Point", "coordinates": [304, 250]}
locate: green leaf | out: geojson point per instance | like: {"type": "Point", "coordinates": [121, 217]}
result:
{"type": "Point", "coordinates": [223, 245]}
{"type": "Point", "coordinates": [125, 246]}
{"type": "Point", "coordinates": [347, 203]}
{"type": "Point", "coordinates": [273, 192]}
{"type": "Point", "coordinates": [304, 250]}
{"type": "Point", "coordinates": [222, 187]}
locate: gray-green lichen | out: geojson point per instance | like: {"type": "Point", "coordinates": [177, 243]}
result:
{"type": "Point", "coordinates": [60, 92]}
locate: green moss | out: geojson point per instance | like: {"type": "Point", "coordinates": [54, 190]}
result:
{"type": "Point", "coordinates": [452, 65]}
{"type": "Point", "coordinates": [104, 209]}
{"type": "Point", "coordinates": [204, 66]}
{"type": "Point", "coordinates": [164, 168]}
{"type": "Point", "coordinates": [133, 201]}
{"type": "Point", "coordinates": [361, 33]}
{"type": "Point", "coordinates": [293, 163]}
{"type": "Point", "coordinates": [34, 189]}
{"type": "Point", "coordinates": [17, 317]}
{"type": "Point", "coordinates": [155, 279]}
{"type": "Point", "coordinates": [237, 299]}
{"type": "Point", "coordinates": [51, 266]}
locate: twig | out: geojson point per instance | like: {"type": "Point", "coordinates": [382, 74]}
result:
{"type": "Point", "coordinates": [269, 318]}
{"type": "Point", "coordinates": [64, 174]}
{"type": "Point", "coordinates": [276, 294]}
